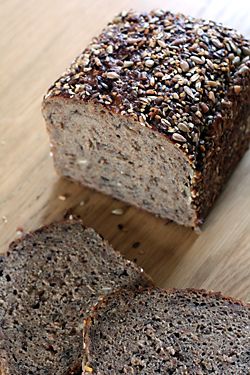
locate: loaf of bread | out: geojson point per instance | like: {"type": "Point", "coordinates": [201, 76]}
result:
{"type": "Point", "coordinates": [48, 280]}
{"type": "Point", "coordinates": [155, 112]}
{"type": "Point", "coordinates": [186, 332]}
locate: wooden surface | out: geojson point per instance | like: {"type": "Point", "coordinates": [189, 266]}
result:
{"type": "Point", "coordinates": [38, 39]}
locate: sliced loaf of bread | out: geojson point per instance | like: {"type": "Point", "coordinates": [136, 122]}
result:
{"type": "Point", "coordinates": [167, 332]}
{"type": "Point", "coordinates": [155, 111]}
{"type": "Point", "coordinates": [48, 280]}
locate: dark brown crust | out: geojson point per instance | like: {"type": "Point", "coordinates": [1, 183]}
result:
{"type": "Point", "coordinates": [229, 139]}
{"type": "Point", "coordinates": [104, 300]}
{"type": "Point", "coordinates": [74, 370]}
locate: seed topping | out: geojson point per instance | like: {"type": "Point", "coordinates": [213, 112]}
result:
{"type": "Point", "coordinates": [170, 73]}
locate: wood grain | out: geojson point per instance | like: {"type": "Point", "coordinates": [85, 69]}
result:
{"type": "Point", "coordinates": [38, 40]}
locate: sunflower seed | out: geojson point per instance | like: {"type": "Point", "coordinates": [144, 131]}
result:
{"type": "Point", "coordinates": [246, 51]}
{"type": "Point", "coordinates": [110, 49]}
{"type": "Point", "coordinates": [236, 60]}
{"type": "Point", "coordinates": [197, 60]}
{"type": "Point", "coordinates": [244, 69]}
{"type": "Point", "coordinates": [128, 64]}
{"type": "Point", "coordinates": [217, 43]}
{"type": "Point", "coordinates": [212, 83]}
{"type": "Point", "coordinates": [112, 75]}
{"type": "Point", "coordinates": [194, 77]}
{"type": "Point", "coordinates": [183, 127]}
{"type": "Point", "coordinates": [178, 137]}
{"type": "Point", "coordinates": [211, 96]}
{"type": "Point", "coordinates": [184, 66]}
{"type": "Point", "coordinates": [161, 43]}
{"type": "Point", "coordinates": [188, 91]}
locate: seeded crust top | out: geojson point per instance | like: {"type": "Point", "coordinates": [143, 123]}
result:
{"type": "Point", "coordinates": [172, 73]}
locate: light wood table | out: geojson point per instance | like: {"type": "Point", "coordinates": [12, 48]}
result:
{"type": "Point", "coordinates": [38, 39]}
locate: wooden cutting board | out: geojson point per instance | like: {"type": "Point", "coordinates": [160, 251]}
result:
{"type": "Point", "coordinates": [37, 41]}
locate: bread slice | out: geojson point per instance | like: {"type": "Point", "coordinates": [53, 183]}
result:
{"type": "Point", "coordinates": [48, 280]}
{"type": "Point", "coordinates": [155, 331]}
{"type": "Point", "coordinates": [155, 112]}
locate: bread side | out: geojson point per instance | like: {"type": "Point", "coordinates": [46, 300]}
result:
{"type": "Point", "coordinates": [169, 95]}
{"type": "Point", "coordinates": [48, 280]}
{"type": "Point", "coordinates": [167, 331]}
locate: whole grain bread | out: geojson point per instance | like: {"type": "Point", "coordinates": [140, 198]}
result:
{"type": "Point", "coordinates": [155, 331]}
{"type": "Point", "coordinates": [155, 112]}
{"type": "Point", "coordinates": [48, 280]}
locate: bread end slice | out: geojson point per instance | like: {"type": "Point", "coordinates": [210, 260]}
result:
{"type": "Point", "coordinates": [167, 331]}
{"type": "Point", "coordinates": [49, 279]}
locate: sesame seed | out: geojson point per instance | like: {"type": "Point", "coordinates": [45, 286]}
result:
{"type": "Point", "coordinates": [117, 211]}
{"type": "Point", "coordinates": [4, 219]}
{"type": "Point", "coordinates": [82, 161]}
{"type": "Point", "coordinates": [62, 197]}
